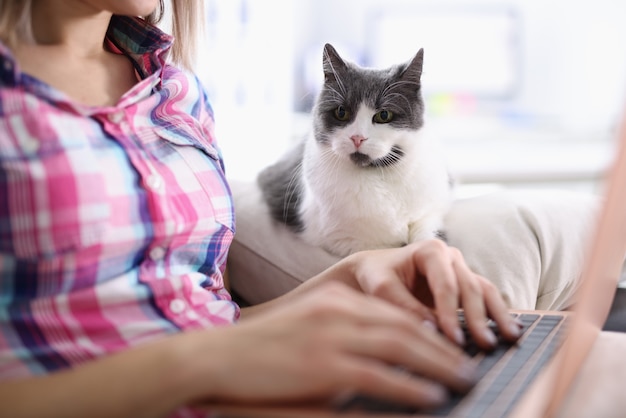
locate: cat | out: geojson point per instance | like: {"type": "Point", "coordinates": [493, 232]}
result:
{"type": "Point", "coordinates": [367, 176]}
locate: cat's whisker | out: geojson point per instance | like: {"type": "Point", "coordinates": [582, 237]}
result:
{"type": "Point", "coordinates": [292, 191]}
{"type": "Point", "coordinates": [396, 170]}
{"type": "Point", "coordinates": [402, 83]}
{"type": "Point", "coordinates": [382, 172]}
{"type": "Point", "coordinates": [402, 86]}
{"type": "Point", "coordinates": [391, 104]}
{"type": "Point", "coordinates": [330, 69]}
{"type": "Point", "coordinates": [334, 98]}
{"type": "Point", "coordinates": [333, 170]}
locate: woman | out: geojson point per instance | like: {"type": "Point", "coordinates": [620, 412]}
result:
{"type": "Point", "coordinates": [115, 222]}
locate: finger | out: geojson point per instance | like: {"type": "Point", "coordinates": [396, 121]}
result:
{"type": "Point", "coordinates": [473, 303]}
{"type": "Point", "coordinates": [443, 285]}
{"type": "Point", "coordinates": [372, 328]}
{"type": "Point", "coordinates": [346, 309]}
{"type": "Point", "coordinates": [434, 359]}
{"type": "Point", "coordinates": [370, 310]}
{"type": "Point", "coordinates": [380, 381]}
{"type": "Point", "coordinates": [509, 327]}
{"type": "Point", "coordinates": [374, 313]}
{"type": "Point", "coordinates": [481, 300]}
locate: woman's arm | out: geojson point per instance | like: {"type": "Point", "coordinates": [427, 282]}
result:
{"type": "Point", "coordinates": [143, 382]}
{"type": "Point", "coordinates": [329, 342]}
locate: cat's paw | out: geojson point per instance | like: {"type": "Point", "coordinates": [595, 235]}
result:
{"type": "Point", "coordinates": [422, 231]}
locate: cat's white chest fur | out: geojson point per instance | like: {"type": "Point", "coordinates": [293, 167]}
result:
{"type": "Point", "coordinates": [347, 208]}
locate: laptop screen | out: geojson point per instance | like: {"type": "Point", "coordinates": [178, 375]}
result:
{"type": "Point", "coordinates": [600, 276]}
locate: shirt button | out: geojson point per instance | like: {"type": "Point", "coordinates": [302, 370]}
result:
{"type": "Point", "coordinates": [177, 306]}
{"type": "Point", "coordinates": [157, 253]}
{"type": "Point", "coordinates": [116, 117]}
{"type": "Point", "coordinates": [154, 182]}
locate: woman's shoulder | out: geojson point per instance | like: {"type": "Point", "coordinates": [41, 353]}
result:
{"type": "Point", "coordinates": [187, 89]}
{"type": "Point", "coordinates": [175, 73]}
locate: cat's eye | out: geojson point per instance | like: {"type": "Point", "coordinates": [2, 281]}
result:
{"type": "Point", "coordinates": [342, 114]}
{"type": "Point", "coordinates": [384, 116]}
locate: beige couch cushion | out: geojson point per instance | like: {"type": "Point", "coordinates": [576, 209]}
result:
{"type": "Point", "coordinates": [530, 243]}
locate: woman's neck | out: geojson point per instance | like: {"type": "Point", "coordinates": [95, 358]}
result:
{"type": "Point", "coordinates": [73, 26]}
{"type": "Point", "coordinates": [68, 53]}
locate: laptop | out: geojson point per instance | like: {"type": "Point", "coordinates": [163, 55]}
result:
{"type": "Point", "coordinates": [531, 377]}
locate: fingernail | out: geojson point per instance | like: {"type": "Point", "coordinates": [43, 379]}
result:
{"type": "Point", "coordinates": [436, 393]}
{"type": "Point", "coordinates": [515, 329]}
{"type": "Point", "coordinates": [490, 336]}
{"type": "Point", "coordinates": [430, 324]}
{"type": "Point", "coordinates": [467, 372]}
{"type": "Point", "coordinates": [459, 337]}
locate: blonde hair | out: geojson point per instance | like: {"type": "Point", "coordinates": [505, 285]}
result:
{"type": "Point", "coordinates": [187, 17]}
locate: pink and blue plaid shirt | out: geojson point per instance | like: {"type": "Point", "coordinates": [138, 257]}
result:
{"type": "Point", "coordinates": [115, 222]}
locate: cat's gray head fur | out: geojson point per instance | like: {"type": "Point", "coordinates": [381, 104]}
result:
{"type": "Point", "coordinates": [394, 93]}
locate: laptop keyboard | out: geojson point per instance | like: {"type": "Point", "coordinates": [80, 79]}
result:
{"type": "Point", "coordinates": [531, 340]}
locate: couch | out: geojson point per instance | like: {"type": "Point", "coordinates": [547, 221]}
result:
{"type": "Point", "coordinates": [530, 242]}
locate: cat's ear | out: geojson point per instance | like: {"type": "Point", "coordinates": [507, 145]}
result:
{"type": "Point", "coordinates": [414, 68]}
{"type": "Point", "coordinates": [332, 63]}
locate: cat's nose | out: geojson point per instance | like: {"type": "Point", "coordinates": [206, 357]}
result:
{"type": "Point", "coordinates": [357, 139]}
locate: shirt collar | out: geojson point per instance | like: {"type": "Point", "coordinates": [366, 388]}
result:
{"type": "Point", "coordinates": [9, 71]}
{"type": "Point", "coordinates": [144, 43]}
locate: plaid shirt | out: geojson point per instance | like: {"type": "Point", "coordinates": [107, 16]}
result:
{"type": "Point", "coordinates": [115, 222]}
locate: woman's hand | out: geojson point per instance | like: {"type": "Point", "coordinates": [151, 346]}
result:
{"type": "Point", "coordinates": [327, 344]}
{"type": "Point", "coordinates": [432, 280]}
{"type": "Point", "coordinates": [323, 339]}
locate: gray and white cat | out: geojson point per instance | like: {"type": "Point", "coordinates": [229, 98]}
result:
{"type": "Point", "coordinates": [368, 176]}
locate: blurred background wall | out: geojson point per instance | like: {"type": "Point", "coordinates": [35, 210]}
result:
{"type": "Point", "coordinates": [521, 92]}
